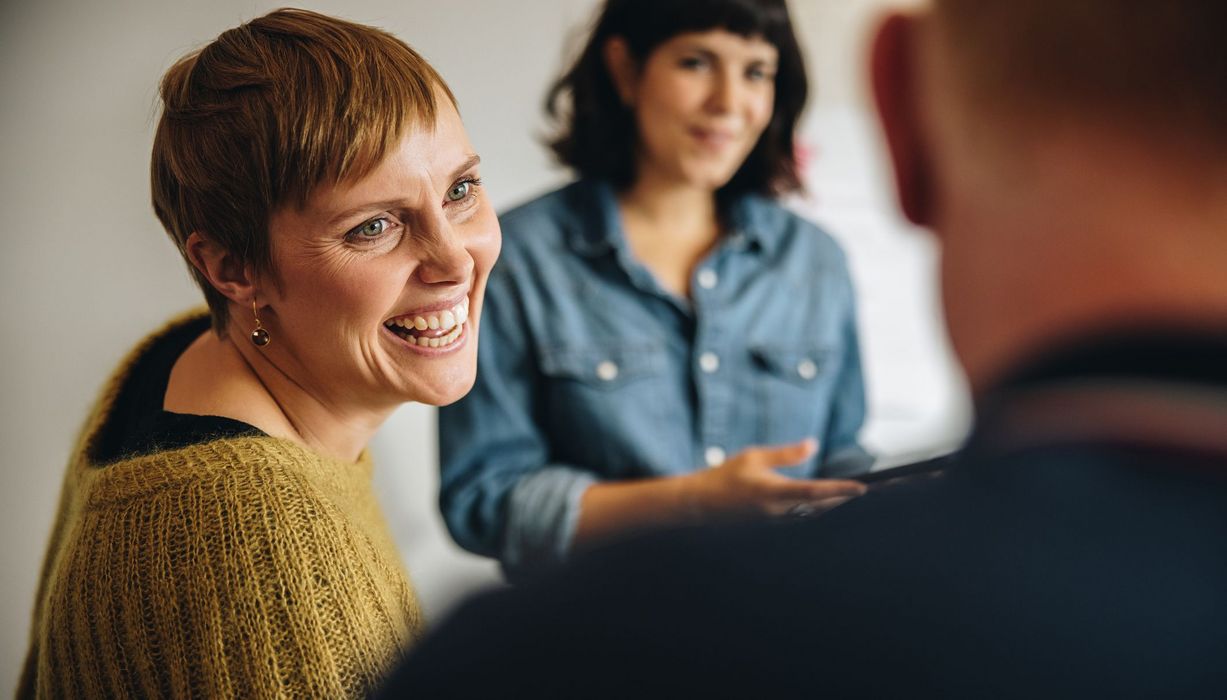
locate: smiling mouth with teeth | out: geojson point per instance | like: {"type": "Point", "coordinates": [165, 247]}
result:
{"type": "Point", "coordinates": [436, 329]}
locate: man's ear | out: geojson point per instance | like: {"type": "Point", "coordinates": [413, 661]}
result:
{"type": "Point", "coordinates": [224, 271]}
{"type": "Point", "coordinates": [622, 68]}
{"type": "Point", "coordinates": [893, 66]}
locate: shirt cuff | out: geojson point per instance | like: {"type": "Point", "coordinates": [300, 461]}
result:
{"type": "Point", "coordinates": [542, 514]}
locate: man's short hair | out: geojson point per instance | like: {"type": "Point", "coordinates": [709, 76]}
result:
{"type": "Point", "coordinates": [267, 112]}
{"type": "Point", "coordinates": [1162, 62]}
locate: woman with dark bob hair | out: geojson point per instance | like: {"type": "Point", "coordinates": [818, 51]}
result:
{"type": "Point", "coordinates": [217, 533]}
{"type": "Point", "coordinates": [663, 314]}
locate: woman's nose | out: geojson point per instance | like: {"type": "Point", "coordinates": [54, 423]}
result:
{"type": "Point", "coordinates": [444, 258]}
{"type": "Point", "coordinates": [724, 93]}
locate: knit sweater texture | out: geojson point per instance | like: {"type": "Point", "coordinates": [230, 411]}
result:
{"type": "Point", "coordinates": [240, 567]}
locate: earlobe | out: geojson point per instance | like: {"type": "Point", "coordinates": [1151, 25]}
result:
{"type": "Point", "coordinates": [224, 271]}
{"type": "Point", "coordinates": [621, 67]}
{"type": "Point", "coordinates": [893, 65]}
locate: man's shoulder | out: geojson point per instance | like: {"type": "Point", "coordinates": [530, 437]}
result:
{"type": "Point", "coordinates": [1001, 543]}
{"type": "Point", "coordinates": [1002, 578]}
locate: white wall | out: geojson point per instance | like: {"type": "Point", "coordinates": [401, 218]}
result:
{"type": "Point", "coordinates": [86, 270]}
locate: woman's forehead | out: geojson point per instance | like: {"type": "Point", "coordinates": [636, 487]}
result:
{"type": "Point", "coordinates": [723, 41]}
{"type": "Point", "coordinates": [424, 162]}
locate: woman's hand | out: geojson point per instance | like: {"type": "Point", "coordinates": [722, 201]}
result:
{"type": "Point", "coordinates": [748, 485]}
{"type": "Point", "coordinates": [745, 486]}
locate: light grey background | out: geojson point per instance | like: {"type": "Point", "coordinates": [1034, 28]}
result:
{"type": "Point", "coordinates": [87, 271]}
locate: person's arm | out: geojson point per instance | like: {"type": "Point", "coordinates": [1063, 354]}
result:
{"type": "Point", "coordinates": [241, 582]}
{"type": "Point", "coordinates": [745, 486]}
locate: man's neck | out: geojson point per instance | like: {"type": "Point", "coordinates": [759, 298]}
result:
{"type": "Point", "coordinates": [1093, 235]}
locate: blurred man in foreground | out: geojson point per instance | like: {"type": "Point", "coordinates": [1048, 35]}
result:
{"type": "Point", "coordinates": [1070, 156]}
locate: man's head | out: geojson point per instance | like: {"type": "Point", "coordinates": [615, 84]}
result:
{"type": "Point", "coordinates": [1069, 155]}
{"type": "Point", "coordinates": [1157, 65]}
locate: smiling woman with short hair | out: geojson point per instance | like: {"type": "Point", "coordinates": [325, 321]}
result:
{"type": "Point", "coordinates": [217, 533]}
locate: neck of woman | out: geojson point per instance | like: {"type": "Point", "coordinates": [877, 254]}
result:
{"type": "Point", "coordinates": [670, 227]}
{"type": "Point", "coordinates": [662, 204]}
{"type": "Point", "coordinates": [221, 377]}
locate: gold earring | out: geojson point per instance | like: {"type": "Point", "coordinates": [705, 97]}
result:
{"type": "Point", "coordinates": [259, 337]}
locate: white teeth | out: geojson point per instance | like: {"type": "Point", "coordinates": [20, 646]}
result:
{"type": "Point", "coordinates": [450, 337]}
{"type": "Point", "coordinates": [437, 342]}
{"type": "Point", "coordinates": [449, 320]}
{"type": "Point", "coordinates": [446, 319]}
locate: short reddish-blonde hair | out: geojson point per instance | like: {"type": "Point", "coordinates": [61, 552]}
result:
{"type": "Point", "coordinates": [267, 112]}
{"type": "Point", "coordinates": [1161, 62]}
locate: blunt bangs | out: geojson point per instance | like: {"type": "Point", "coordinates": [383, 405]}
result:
{"type": "Point", "coordinates": [668, 18]}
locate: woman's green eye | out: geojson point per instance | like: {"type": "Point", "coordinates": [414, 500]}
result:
{"type": "Point", "coordinates": [372, 228]}
{"type": "Point", "coordinates": [459, 192]}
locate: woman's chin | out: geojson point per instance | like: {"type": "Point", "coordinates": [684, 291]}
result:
{"type": "Point", "coordinates": [708, 178]}
{"type": "Point", "coordinates": [444, 390]}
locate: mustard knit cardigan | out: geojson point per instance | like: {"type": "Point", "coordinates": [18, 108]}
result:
{"type": "Point", "coordinates": [243, 567]}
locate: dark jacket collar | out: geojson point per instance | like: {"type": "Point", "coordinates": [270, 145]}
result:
{"type": "Point", "coordinates": [1156, 388]}
{"type": "Point", "coordinates": [1172, 354]}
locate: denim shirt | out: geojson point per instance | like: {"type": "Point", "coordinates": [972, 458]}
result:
{"type": "Point", "coordinates": [590, 371]}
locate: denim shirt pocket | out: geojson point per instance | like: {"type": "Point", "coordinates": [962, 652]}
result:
{"type": "Point", "coordinates": [794, 387]}
{"type": "Point", "coordinates": [603, 409]}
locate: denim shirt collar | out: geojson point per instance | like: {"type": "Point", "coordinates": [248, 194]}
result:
{"type": "Point", "coordinates": [599, 228]}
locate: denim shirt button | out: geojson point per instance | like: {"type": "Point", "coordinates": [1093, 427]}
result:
{"type": "Point", "coordinates": [709, 362]}
{"type": "Point", "coordinates": [607, 371]}
{"type": "Point", "coordinates": [708, 278]}
{"type": "Point", "coordinates": [714, 456]}
{"type": "Point", "coordinates": [807, 369]}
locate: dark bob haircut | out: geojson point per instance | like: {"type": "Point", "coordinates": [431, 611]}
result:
{"type": "Point", "coordinates": [597, 133]}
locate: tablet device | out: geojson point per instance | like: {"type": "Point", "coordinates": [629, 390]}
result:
{"type": "Point", "coordinates": [916, 470]}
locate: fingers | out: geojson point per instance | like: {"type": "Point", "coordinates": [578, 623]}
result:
{"type": "Point", "coordinates": [749, 482]}
{"type": "Point", "coordinates": [777, 455]}
{"type": "Point", "coordinates": [809, 490]}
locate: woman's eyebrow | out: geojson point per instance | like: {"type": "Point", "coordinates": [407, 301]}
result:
{"type": "Point", "coordinates": [710, 54]}
{"type": "Point", "coordinates": [351, 212]}
{"type": "Point", "coordinates": [364, 207]}
{"type": "Point", "coordinates": [469, 163]}
{"type": "Point", "coordinates": [699, 49]}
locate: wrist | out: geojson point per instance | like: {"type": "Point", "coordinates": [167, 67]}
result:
{"type": "Point", "coordinates": [690, 494]}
